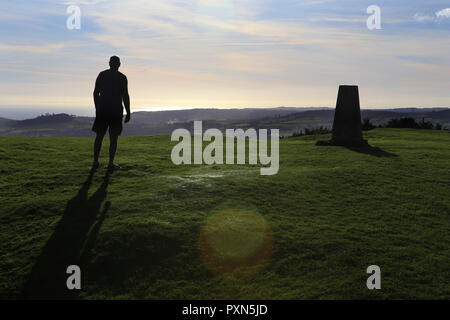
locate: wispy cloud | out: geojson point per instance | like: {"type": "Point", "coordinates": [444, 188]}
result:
{"type": "Point", "coordinates": [437, 16]}
{"type": "Point", "coordinates": [42, 48]}
{"type": "Point", "coordinates": [423, 17]}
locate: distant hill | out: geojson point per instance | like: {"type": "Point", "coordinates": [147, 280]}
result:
{"type": "Point", "coordinates": [287, 120]}
{"type": "Point", "coordinates": [4, 121]}
{"type": "Point", "coordinates": [417, 110]}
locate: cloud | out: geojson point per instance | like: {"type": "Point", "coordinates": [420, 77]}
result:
{"type": "Point", "coordinates": [81, 2]}
{"type": "Point", "coordinates": [423, 18]}
{"type": "Point", "coordinates": [315, 2]}
{"type": "Point", "coordinates": [42, 48]}
{"type": "Point", "coordinates": [439, 15]}
{"type": "Point", "coordinates": [444, 13]}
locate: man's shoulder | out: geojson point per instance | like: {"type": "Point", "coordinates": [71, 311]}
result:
{"type": "Point", "coordinates": [109, 73]}
{"type": "Point", "coordinates": [124, 77]}
{"type": "Point", "coordinates": [103, 73]}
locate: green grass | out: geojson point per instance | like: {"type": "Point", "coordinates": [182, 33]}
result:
{"type": "Point", "coordinates": [158, 231]}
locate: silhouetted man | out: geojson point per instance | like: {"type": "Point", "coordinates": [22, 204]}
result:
{"type": "Point", "coordinates": [111, 88]}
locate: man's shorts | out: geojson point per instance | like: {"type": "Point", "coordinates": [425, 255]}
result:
{"type": "Point", "coordinates": [104, 121]}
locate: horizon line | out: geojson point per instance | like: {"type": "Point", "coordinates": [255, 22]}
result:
{"type": "Point", "coordinates": [32, 112]}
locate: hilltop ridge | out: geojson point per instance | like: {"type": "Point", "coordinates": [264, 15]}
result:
{"type": "Point", "coordinates": [164, 122]}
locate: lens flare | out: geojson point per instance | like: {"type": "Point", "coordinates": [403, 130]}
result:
{"type": "Point", "coordinates": [235, 241]}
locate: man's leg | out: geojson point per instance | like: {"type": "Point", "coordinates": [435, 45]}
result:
{"type": "Point", "coordinates": [97, 147]}
{"type": "Point", "coordinates": [112, 148]}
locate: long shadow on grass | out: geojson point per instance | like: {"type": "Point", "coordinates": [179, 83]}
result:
{"type": "Point", "coordinates": [373, 151]}
{"type": "Point", "coordinates": [70, 244]}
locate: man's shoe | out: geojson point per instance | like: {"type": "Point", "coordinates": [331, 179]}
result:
{"type": "Point", "coordinates": [113, 167]}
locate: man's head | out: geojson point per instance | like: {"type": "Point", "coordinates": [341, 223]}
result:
{"type": "Point", "coordinates": [114, 63]}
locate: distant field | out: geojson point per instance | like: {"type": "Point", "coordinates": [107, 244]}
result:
{"type": "Point", "coordinates": [157, 231]}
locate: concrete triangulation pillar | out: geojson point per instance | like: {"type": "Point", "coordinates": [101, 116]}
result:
{"type": "Point", "coordinates": [347, 128]}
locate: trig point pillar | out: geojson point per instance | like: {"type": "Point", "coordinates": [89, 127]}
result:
{"type": "Point", "coordinates": [347, 128]}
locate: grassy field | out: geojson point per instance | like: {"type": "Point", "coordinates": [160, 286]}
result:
{"type": "Point", "coordinates": [154, 230]}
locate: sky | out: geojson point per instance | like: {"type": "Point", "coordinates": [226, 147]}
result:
{"type": "Point", "coordinates": [225, 53]}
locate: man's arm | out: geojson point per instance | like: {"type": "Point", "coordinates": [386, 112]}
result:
{"type": "Point", "coordinates": [97, 92]}
{"type": "Point", "coordinates": [126, 100]}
